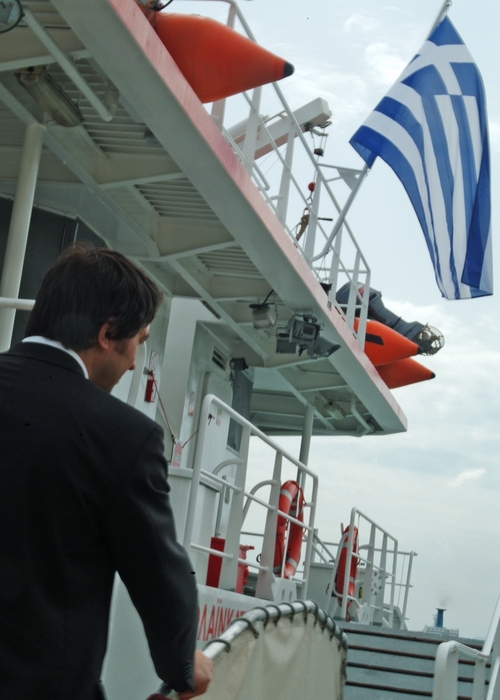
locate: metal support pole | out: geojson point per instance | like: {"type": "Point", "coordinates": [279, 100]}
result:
{"type": "Point", "coordinates": [307, 429]}
{"type": "Point", "coordinates": [441, 14]}
{"type": "Point", "coordinates": [313, 222]}
{"type": "Point", "coordinates": [19, 227]}
{"type": "Point", "coordinates": [305, 444]}
{"type": "Point", "coordinates": [253, 124]}
{"type": "Point", "coordinates": [265, 578]}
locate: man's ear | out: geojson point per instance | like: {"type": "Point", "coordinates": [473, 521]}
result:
{"type": "Point", "coordinates": [103, 337]}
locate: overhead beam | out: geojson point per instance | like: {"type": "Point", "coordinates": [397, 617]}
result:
{"type": "Point", "coordinates": [148, 180]}
{"type": "Point", "coordinates": [20, 63]}
{"type": "Point", "coordinates": [128, 228]}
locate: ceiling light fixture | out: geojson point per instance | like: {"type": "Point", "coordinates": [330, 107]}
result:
{"type": "Point", "coordinates": [336, 411]}
{"type": "Point", "coordinates": [264, 315]}
{"type": "Point", "coordinates": [50, 95]}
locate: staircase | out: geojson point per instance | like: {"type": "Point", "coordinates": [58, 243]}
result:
{"type": "Point", "coordinates": [392, 664]}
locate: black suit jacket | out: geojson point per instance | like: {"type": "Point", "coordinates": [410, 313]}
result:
{"type": "Point", "coordinates": [83, 493]}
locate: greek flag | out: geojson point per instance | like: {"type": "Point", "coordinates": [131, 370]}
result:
{"type": "Point", "coordinates": [431, 128]}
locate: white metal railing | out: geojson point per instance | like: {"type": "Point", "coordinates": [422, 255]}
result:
{"type": "Point", "coordinates": [21, 304]}
{"type": "Point", "coordinates": [314, 219]}
{"type": "Point", "coordinates": [383, 575]}
{"type": "Point", "coordinates": [445, 686]}
{"type": "Point", "coordinates": [238, 507]}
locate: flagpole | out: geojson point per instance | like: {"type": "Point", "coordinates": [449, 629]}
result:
{"type": "Point", "coordinates": [441, 14]}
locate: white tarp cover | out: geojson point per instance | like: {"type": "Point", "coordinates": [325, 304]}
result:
{"type": "Point", "coordinates": [292, 660]}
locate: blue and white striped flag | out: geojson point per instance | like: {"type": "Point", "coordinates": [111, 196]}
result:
{"type": "Point", "coordinates": [431, 128]}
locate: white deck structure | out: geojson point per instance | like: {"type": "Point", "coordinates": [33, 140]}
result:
{"type": "Point", "coordinates": [153, 173]}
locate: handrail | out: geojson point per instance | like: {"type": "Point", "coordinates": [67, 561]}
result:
{"type": "Point", "coordinates": [238, 508]}
{"type": "Point", "coordinates": [21, 304]}
{"type": "Point", "coordinates": [445, 686]}
{"type": "Point", "coordinates": [382, 571]}
{"type": "Point", "coordinates": [255, 622]}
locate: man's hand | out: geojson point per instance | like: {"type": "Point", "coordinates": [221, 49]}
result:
{"type": "Point", "coordinates": [202, 675]}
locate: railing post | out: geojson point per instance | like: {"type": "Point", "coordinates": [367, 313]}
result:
{"type": "Point", "coordinates": [347, 574]}
{"type": "Point", "coordinates": [353, 294]}
{"type": "Point", "coordinates": [335, 266]}
{"type": "Point", "coordinates": [478, 684]}
{"type": "Point", "coordinates": [195, 479]}
{"type": "Point", "coordinates": [379, 595]}
{"type": "Point", "coordinates": [393, 583]}
{"type": "Point", "coordinates": [313, 222]}
{"type": "Point", "coordinates": [230, 566]}
{"type": "Point", "coordinates": [310, 537]}
{"type": "Point", "coordinates": [368, 580]}
{"type": "Point", "coordinates": [407, 586]}
{"type": "Point", "coordinates": [363, 314]}
{"type": "Point", "coordinates": [445, 686]}
{"type": "Point", "coordinates": [265, 578]}
{"type": "Point", "coordinates": [494, 686]}
{"type": "Point", "coordinates": [250, 140]}
{"type": "Point", "coordinates": [282, 206]}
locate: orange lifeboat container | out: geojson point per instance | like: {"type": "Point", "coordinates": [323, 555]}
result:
{"type": "Point", "coordinates": [404, 372]}
{"type": "Point", "coordinates": [383, 344]}
{"type": "Point", "coordinates": [216, 60]}
{"type": "Point", "coordinates": [291, 502]}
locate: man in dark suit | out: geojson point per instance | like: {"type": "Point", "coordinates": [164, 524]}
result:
{"type": "Point", "coordinates": [84, 493]}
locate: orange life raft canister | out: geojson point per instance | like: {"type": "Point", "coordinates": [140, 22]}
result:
{"type": "Point", "coordinates": [216, 60]}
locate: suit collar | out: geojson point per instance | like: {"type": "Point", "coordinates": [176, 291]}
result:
{"type": "Point", "coordinates": [46, 353]}
{"type": "Point", "coordinates": [56, 344]}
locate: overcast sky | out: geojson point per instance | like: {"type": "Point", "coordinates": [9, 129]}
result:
{"type": "Point", "coordinates": [437, 487]}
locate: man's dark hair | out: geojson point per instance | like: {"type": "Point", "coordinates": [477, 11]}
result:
{"type": "Point", "coordinates": [87, 287]}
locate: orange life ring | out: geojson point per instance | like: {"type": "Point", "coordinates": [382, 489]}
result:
{"type": "Point", "coordinates": [341, 568]}
{"type": "Point", "coordinates": [292, 503]}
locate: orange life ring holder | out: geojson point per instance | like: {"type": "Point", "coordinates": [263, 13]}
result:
{"type": "Point", "coordinates": [292, 503]}
{"type": "Point", "coordinates": [341, 567]}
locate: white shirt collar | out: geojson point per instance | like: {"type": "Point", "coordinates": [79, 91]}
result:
{"type": "Point", "coordinates": [56, 344]}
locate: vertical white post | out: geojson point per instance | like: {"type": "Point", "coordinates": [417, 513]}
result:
{"type": "Point", "coordinates": [478, 685]}
{"type": "Point", "coordinates": [347, 573]}
{"type": "Point", "coordinates": [368, 578]}
{"type": "Point", "coordinates": [282, 205]}
{"type": "Point", "coordinates": [353, 293]}
{"type": "Point", "coordinates": [313, 223]}
{"type": "Point", "coordinates": [407, 588]}
{"type": "Point", "coordinates": [19, 227]}
{"type": "Point", "coordinates": [307, 429]}
{"type": "Point", "coordinates": [335, 266]}
{"type": "Point", "coordinates": [445, 685]}
{"type": "Point", "coordinates": [229, 570]}
{"type": "Point", "coordinates": [265, 578]}
{"type": "Point", "coordinates": [393, 584]}
{"type": "Point", "coordinates": [305, 444]}
{"type": "Point", "coordinates": [363, 315]}
{"type": "Point", "coordinates": [310, 537]}
{"type": "Point", "coordinates": [253, 123]}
